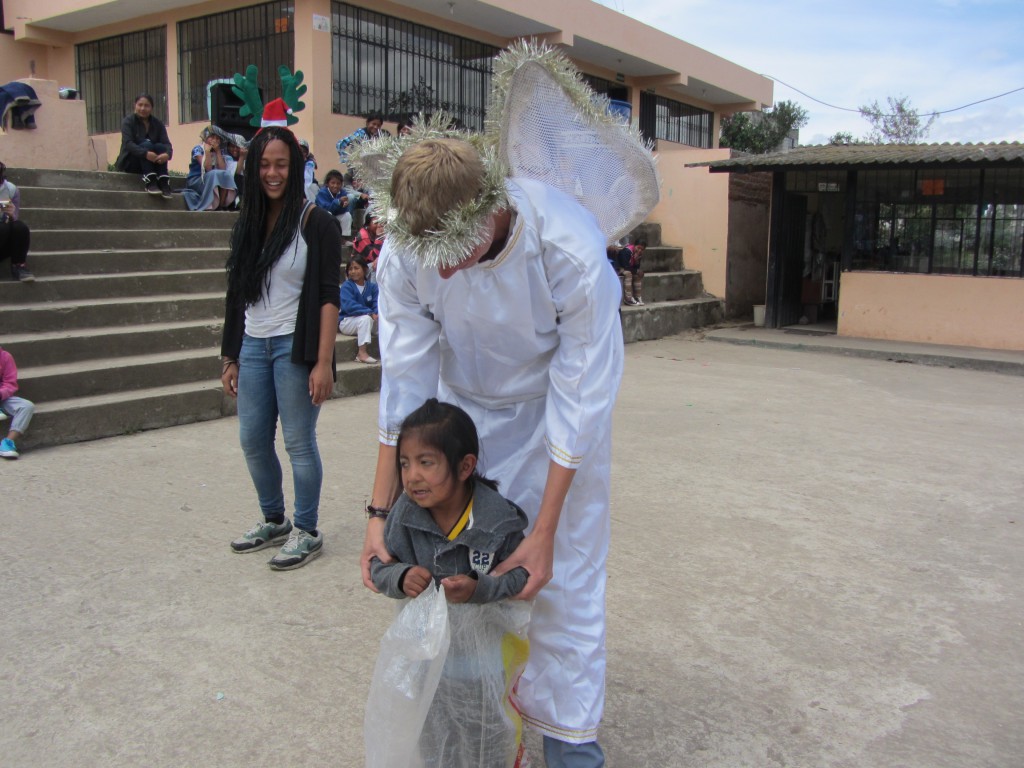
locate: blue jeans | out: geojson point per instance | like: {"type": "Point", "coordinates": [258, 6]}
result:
{"type": "Point", "coordinates": [563, 754]}
{"type": "Point", "coordinates": [271, 385]}
{"type": "Point", "coordinates": [133, 164]}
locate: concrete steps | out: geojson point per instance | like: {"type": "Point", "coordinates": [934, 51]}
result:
{"type": "Point", "coordinates": [120, 332]}
{"type": "Point", "coordinates": [108, 261]}
{"type": "Point", "coordinates": [674, 297]}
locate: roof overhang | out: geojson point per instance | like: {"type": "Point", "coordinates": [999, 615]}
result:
{"type": "Point", "coordinates": [91, 17]}
{"type": "Point", "coordinates": [874, 157]}
{"type": "Point", "coordinates": [589, 38]}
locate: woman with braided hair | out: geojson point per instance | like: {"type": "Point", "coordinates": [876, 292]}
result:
{"type": "Point", "coordinates": [280, 325]}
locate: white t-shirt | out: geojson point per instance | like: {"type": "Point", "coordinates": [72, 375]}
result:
{"type": "Point", "coordinates": [274, 314]}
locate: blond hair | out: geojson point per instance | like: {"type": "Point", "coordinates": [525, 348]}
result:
{"type": "Point", "coordinates": [433, 177]}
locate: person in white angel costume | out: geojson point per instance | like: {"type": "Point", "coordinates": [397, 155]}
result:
{"type": "Point", "coordinates": [496, 295]}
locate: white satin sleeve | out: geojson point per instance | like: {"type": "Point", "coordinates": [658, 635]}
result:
{"type": "Point", "coordinates": [409, 338]}
{"type": "Point", "coordinates": [587, 366]}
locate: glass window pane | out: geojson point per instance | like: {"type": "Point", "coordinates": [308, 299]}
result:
{"type": "Point", "coordinates": [215, 47]}
{"type": "Point", "coordinates": [111, 72]}
{"type": "Point", "coordinates": [384, 64]}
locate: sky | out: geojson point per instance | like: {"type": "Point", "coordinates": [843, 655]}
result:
{"type": "Point", "coordinates": [941, 54]}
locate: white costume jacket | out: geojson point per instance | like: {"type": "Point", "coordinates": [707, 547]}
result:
{"type": "Point", "coordinates": [530, 345]}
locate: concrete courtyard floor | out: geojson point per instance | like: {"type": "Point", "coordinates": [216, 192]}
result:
{"type": "Point", "coordinates": [816, 561]}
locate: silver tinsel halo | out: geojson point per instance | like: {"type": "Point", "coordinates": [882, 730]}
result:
{"type": "Point", "coordinates": [544, 123]}
{"type": "Point", "coordinates": [551, 127]}
{"type": "Point", "coordinates": [462, 230]}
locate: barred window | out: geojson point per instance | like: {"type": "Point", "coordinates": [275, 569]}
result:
{"type": "Point", "coordinates": [959, 221]}
{"type": "Point", "coordinates": [669, 120]}
{"type": "Point", "coordinates": [397, 68]}
{"type": "Point", "coordinates": [111, 72]}
{"type": "Point", "coordinates": [213, 48]}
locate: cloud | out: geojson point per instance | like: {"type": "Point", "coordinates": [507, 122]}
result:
{"type": "Point", "coordinates": [941, 55]}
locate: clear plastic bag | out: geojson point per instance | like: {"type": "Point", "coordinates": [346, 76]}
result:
{"type": "Point", "coordinates": [412, 655]}
{"type": "Point", "coordinates": [459, 714]}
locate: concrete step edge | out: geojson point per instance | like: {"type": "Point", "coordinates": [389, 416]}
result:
{"type": "Point", "coordinates": [99, 277]}
{"type": "Point", "coordinates": [59, 305]}
{"type": "Point", "coordinates": [106, 251]}
{"type": "Point", "coordinates": [128, 361]}
{"type": "Point", "coordinates": [107, 330]}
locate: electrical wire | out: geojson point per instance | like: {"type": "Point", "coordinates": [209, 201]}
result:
{"type": "Point", "coordinates": [847, 109]}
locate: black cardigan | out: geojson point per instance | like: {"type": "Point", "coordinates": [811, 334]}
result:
{"type": "Point", "coordinates": [133, 130]}
{"type": "Point", "coordinates": [320, 286]}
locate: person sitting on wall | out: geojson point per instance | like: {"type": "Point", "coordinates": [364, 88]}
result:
{"type": "Point", "coordinates": [358, 200]}
{"type": "Point", "coordinates": [309, 172]}
{"type": "Point", "coordinates": [19, 409]}
{"type": "Point", "coordinates": [629, 262]}
{"type": "Point", "coordinates": [214, 189]}
{"type": "Point", "coordinates": [369, 241]}
{"type": "Point", "coordinates": [358, 308]}
{"type": "Point", "coordinates": [372, 130]}
{"type": "Point", "coordinates": [14, 233]}
{"type": "Point", "coordinates": [145, 147]}
{"type": "Point", "coordinates": [333, 199]}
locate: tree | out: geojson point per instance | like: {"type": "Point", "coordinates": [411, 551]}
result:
{"type": "Point", "coordinates": [900, 124]}
{"type": "Point", "coordinates": [764, 132]}
{"type": "Point", "coordinates": [844, 137]}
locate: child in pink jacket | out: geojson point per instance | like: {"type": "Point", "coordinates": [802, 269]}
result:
{"type": "Point", "coordinates": [18, 408]}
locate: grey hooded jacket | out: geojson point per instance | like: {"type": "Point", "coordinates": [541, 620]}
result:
{"type": "Point", "coordinates": [494, 531]}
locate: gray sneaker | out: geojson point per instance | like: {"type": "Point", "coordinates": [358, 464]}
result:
{"type": "Point", "coordinates": [300, 548]}
{"type": "Point", "coordinates": [262, 535]}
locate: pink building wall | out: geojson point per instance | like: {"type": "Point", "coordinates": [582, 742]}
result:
{"type": "Point", "coordinates": [694, 211]}
{"type": "Point", "coordinates": [985, 312]}
{"type": "Point", "coordinates": [60, 139]}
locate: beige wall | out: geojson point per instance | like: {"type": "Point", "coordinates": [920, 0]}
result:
{"type": "Point", "coordinates": [16, 60]}
{"type": "Point", "coordinates": [985, 312]}
{"type": "Point", "coordinates": [59, 141]}
{"type": "Point", "coordinates": [694, 211]}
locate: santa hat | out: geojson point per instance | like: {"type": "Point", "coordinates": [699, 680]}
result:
{"type": "Point", "coordinates": [275, 113]}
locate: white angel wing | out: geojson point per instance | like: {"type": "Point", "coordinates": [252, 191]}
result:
{"type": "Point", "coordinates": [551, 130]}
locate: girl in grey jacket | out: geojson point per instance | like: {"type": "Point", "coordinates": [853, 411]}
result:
{"type": "Point", "coordinates": [450, 525]}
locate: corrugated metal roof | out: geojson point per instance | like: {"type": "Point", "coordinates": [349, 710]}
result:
{"type": "Point", "coordinates": [874, 156]}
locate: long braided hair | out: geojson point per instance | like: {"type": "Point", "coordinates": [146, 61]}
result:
{"type": "Point", "coordinates": [251, 259]}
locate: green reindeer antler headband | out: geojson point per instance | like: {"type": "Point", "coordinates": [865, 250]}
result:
{"type": "Point", "coordinates": [247, 89]}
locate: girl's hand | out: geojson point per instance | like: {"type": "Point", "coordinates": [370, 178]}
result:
{"type": "Point", "coordinates": [151, 156]}
{"type": "Point", "coordinates": [536, 554]}
{"type": "Point", "coordinates": [457, 589]}
{"type": "Point", "coordinates": [162, 158]}
{"type": "Point", "coordinates": [373, 546]}
{"type": "Point", "coordinates": [229, 380]}
{"type": "Point", "coordinates": [321, 382]}
{"type": "Point", "coordinates": [416, 580]}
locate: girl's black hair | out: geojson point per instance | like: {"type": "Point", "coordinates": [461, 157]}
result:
{"type": "Point", "coordinates": [450, 430]}
{"type": "Point", "coordinates": [361, 262]}
{"type": "Point", "coordinates": [251, 259]}
{"type": "Point", "coordinates": [145, 96]}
